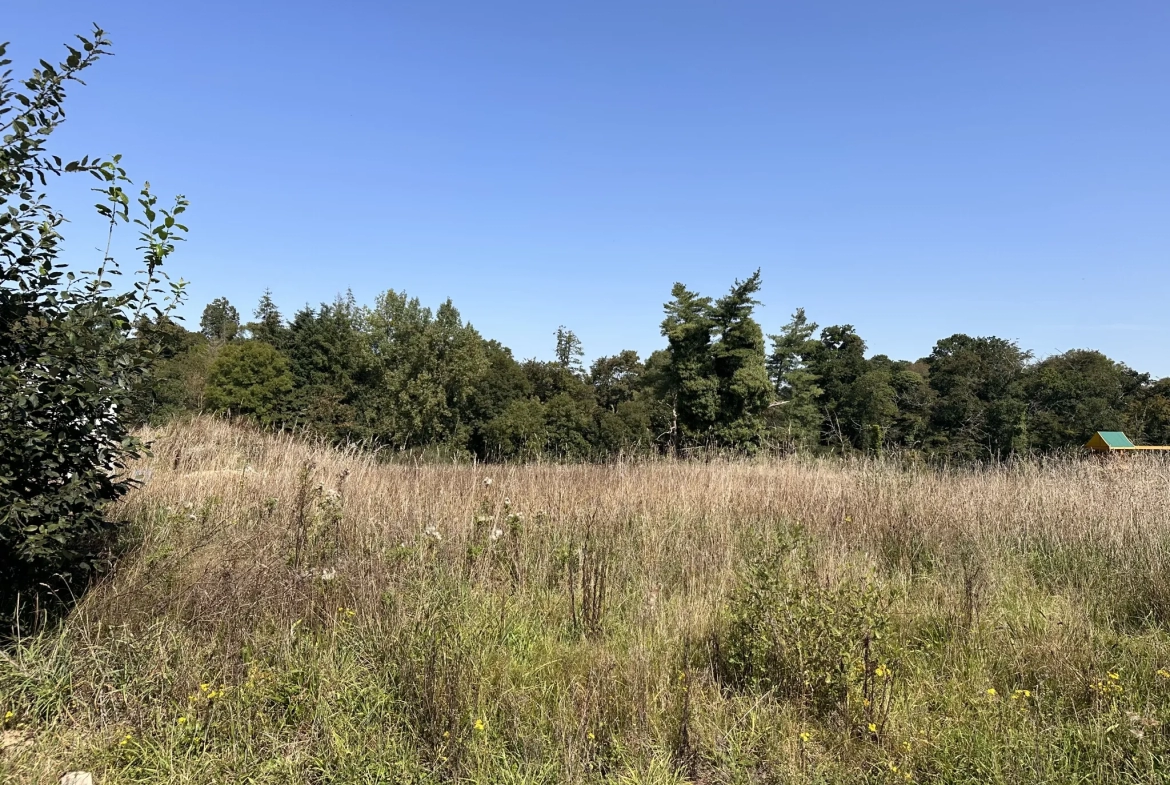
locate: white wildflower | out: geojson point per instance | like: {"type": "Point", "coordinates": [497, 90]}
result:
{"type": "Point", "coordinates": [496, 534]}
{"type": "Point", "coordinates": [487, 482]}
{"type": "Point", "coordinates": [328, 574]}
{"type": "Point", "coordinates": [433, 532]}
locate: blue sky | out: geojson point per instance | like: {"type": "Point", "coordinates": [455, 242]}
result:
{"type": "Point", "coordinates": [914, 169]}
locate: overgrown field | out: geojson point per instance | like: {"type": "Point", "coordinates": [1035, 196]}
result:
{"type": "Point", "coordinates": [286, 613]}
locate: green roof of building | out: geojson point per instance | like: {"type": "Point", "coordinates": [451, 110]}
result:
{"type": "Point", "coordinates": [1115, 439]}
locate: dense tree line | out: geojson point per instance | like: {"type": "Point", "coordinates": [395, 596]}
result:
{"type": "Point", "coordinates": [398, 376]}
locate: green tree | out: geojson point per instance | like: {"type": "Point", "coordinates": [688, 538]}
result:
{"type": "Point", "coordinates": [798, 415]}
{"type": "Point", "coordinates": [740, 366]}
{"type": "Point", "coordinates": [220, 321]}
{"type": "Point", "coordinates": [334, 370]}
{"type": "Point", "coordinates": [502, 381]}
{"type": "Point", "coordinates": [912, 402]}
{"type": "Point", "coordinates": [519, 432]}
{"type": "Point", "coordinates": [176, 380]}
{"type": "Point", "coordinates": [690, 381]}
{"type": "Point", "coordinates": [1072, 395]}
{"type": "Point", "coordinates": [568, 426]}
{"type": "Point", "coordinates": [869, 408]}
{"type": "Point", "coordinates": [838, 361]}
{"type": "Point", "coordinates": [269, 325]}
{"type": "Point", "coordinates": [980, 411]}
{"type": "Point", "coordinates": [569, 351]}
{"type": "Point", "coordinates": [616, 379]}
{"type": "Point", "coordinates": [250, 378]}
{"type": "Point", "coordinates": [1147, 413]}
{"type": "Point", "coordinates": [427, 366]}
{"type": "Point", "coordinates": [70, 361]}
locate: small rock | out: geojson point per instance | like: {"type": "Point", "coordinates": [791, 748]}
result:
{"type": "Point", "coordinates": [77, 778]}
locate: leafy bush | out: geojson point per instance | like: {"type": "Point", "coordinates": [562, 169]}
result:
{"type": "Point", "coordinates": [69, 356]}
{"type": "Point", "coordinates": [250, 378]}
{"type": "Point", "coordinates": [801, 638]}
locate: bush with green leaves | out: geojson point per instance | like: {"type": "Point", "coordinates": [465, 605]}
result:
{"type": "Point", "coordinates": [69, 355]}
{"type": "Point", "coordinates": [250, 378]}
{"type": "Point", "coordinates": [806, 637]}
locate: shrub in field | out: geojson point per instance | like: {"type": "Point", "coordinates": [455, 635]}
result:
{"type": "Point", "coordinates": [69, 356]}
{"type": "Point", "coordinates": [803, 639]}
{"type": "Point", "coordinates": [250, 378]}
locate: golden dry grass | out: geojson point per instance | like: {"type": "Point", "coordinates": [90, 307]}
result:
{"type": "Point", "coordinates": [381, 613]}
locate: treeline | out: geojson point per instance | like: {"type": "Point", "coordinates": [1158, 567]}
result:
{"type": "Point", "coordinates": [398, 376]}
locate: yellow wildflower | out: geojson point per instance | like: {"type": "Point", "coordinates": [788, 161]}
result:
{"type": "Point", "coordinates": [125, 740]}
{"type": "Point", "coordinates": [805, 736]}
{"type": "Point", "coordinates": [9, 715]}
{"type": "Point", "coordinates": [881, 671]}
{"type": "Point", "coordinates": [873, 727]}
{"type": "Point", "coordinates": [182, 720]}
{"type": "Point", "coordinates": [1165, 674]}
{"type": "Point", "coordinates": [1114, 675]}
{"type": "Point", "coordinates": [480, 725]}
{"type": "Point", "coordinates": [991, 692]}
{"type": "Point", "coordinates": [590, 736]}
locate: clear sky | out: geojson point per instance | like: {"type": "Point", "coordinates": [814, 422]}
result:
{"type": "Point", "coordinates": [914, 169]}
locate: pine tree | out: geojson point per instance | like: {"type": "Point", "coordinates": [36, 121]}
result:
{"type": "Point", "coordinates": [690, 380]}
{"type": "Point", "coordinates": [798, 414]}
{"type": "Point", "coordinates": [269, 325]}
{"type": "Point", "coordinates": [569, 351]}
{"type": "Point", "coordinates": [739, 365]}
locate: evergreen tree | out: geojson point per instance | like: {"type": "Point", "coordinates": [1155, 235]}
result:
{"type": "Point", "coordinates": [798, 415]}
{"type": "Point", "coordinates": [739, 364]}
{"type": "Point", "coordinates": [569, 351]}
{"type": "Point", "coordinates": [269, 325]}
{"type": "Point", "coordinates": [220, 321]}
{"type": "Point", "coordinates": [332, 365]}
{"type": "Point", "coordinates": [690, 379]}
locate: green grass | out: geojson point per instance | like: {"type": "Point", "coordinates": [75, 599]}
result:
{"type": "Point", "coordinates": [1025, 650]}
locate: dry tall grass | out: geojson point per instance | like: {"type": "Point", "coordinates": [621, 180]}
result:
{"type": "Point", "coordinates": [365, 622]}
